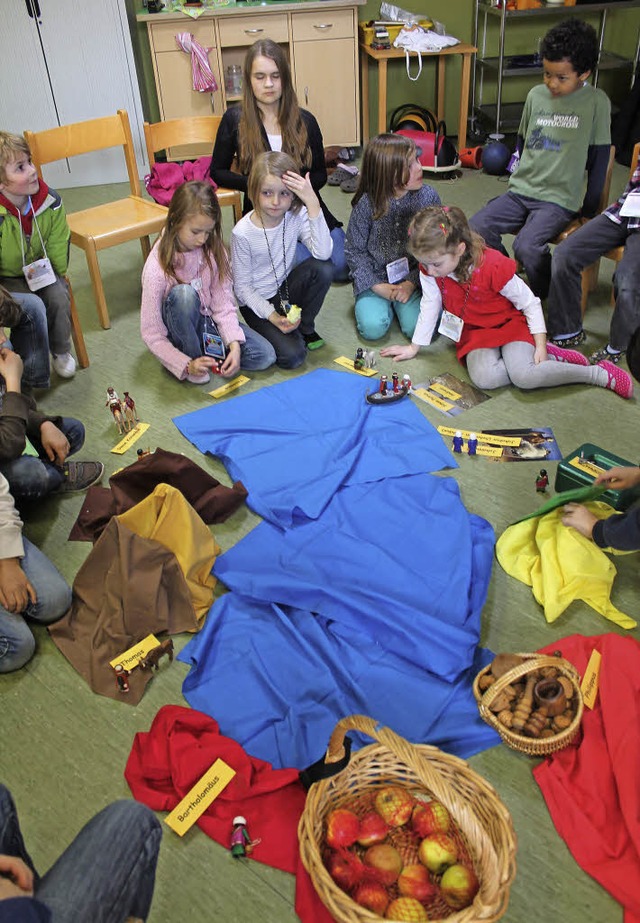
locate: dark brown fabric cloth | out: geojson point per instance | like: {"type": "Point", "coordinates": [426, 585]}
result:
{"type": "Point", "coordinates": [212, 500]}
{"type": "Point", "coordinates": [129, 587]}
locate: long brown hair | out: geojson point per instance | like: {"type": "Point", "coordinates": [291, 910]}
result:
{"type": "Point", "coordinates": [440, 229]}
{"type": "Point", "coordinates": [295, 141]}
{"type": "Point", "coordinates": [194, 198]}
{"type": "Point", "coordinates": [386, 163]}
{"type": "Point", "coordinates": [271, 163]}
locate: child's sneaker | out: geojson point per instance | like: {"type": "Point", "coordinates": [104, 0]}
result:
{"type": "Point", "coordinates": [200, 379]}
{"type": "Point", "coordinates": [313, 340]}
{"type": "Point", "coordinates": [570, 342]}
{"type": "Point", "coordinates": [600, 355]}
{"type": "Point", "coordinates": [566, 355]}
{"type": "Point", "coordinates": [80, 475]}
{"type": "Point", "coordinates": [64, 364]}
{"type": "Point", "coordinates": [619, 380]}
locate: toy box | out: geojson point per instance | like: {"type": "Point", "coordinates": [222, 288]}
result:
{"type": "Point", "coordinates": [582, 467]}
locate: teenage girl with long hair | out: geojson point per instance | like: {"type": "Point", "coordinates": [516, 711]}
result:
{"type": "Point", "coordinates": [491, 314]}
{"type": "Point", "coordinates": [385, 275]}
{"type": "Point", "coordinates": [188, 317]}
{"type": "Point", "coordinates": [270, 119]}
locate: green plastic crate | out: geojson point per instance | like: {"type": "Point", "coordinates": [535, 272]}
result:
{"type": "Point", "coordinates": [569, 477]}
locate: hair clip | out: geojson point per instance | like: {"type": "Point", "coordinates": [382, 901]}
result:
{"type": "Point", "coordinates": [442, 228]}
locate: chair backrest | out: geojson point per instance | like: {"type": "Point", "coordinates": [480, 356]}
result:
{"type": "Point", "coordinates": [634, 160]}
{"type": "Point", "coordinates": [606, 187]}
{"type": "Point", "coordinates": [199, 129]}
{"type": "Point", "coordinates": [82, 138]}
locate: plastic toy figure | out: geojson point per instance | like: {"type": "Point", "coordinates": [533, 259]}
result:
{"type": "Point", "coordinates": [122, 683]}
{"type": "Point", "coordinates": [458, 441]}
{"type": "Point", "coordinates": [542, 481]}
{"type": "Point", "coordinates": [369, 358]}
{"type": "Point", "coordinates": [142, 452]}
{"type": "Point", "coordinates": [115, 406]}
{"type": "Point", "coordinates": [358, 362]}
{"type": "Point", "coordinates": [241, 844]}
{"type": "Point", "coordinates": [406, 382]}
{"type": "Point", "coordinates": [396, 382]}
{"type": "Point", "coordinates": [151, 660]}
{"type": "Point", "coordinates": [472, 444]}
{"type": "Point", "coordinates": [383, 384]}
{"type": "Point", "coordinates": [129, 407]}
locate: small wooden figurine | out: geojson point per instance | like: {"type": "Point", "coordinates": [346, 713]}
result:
{"type": "Point", "coordinates": [114, 405]}
{"type": "Point", "coordinates": [129, 406]}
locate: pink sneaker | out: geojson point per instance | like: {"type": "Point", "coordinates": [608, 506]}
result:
{"type": "Point", "coordinates": [619, 380]}
{"type": "Point", "coordinates": [566, 355]}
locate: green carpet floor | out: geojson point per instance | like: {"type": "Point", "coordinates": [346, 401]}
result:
{"type": "Point", "coordinates": [64, 749]}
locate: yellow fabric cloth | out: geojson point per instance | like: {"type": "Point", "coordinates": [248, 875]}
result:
{"type": "Point", "coordinates": [561, 565]}
{"type": "Point", "coordinates": [166, 517]}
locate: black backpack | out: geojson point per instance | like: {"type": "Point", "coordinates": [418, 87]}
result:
{"type": "Point", "coordinates": [625, 126]}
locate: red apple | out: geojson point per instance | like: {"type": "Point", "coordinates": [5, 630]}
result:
{"type": "Point", "coordinates": [406, 908]}
{"type": "Point", "coordinates": [373, 896]}
{"type": "Point", "coordinates": [414, 882]}
{"type": "Point", "coordinates": [386, 861]}
{"type": "Point", "coordinates": [459, 886]}
{"type": "Point", "coordinates": [395, 805]}
{"type": "Point", "coordinates": [437, 852]}
{"type": "Point", "coordinates": [342, 828]}
{"type": "Point", "coordinates": [430, 817]}
{"type": "Point", "coordinates": [372, 829]}
{"type": "Point", "coordinates": [345, 868]}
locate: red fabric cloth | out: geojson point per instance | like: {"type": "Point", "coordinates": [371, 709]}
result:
{"type": "Point", "coordinates": [180, 746]}
{"type": "Point", "coordinates": [489, 318]}
{"type": "Point", "coordinates": [592, 789]}
{"type": "Point", "coordinates": [165, 178]}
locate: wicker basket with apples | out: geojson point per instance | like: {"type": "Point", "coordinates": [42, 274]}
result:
{"type": "Point", "coordinates": [533, 701]}
{"type": "Point", "coordinates": [406, 832]}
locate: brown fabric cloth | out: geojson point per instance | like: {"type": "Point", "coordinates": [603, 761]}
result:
{"type": "Point", "coordinates": [212, 500]}
{"type": "Point", "coordinates": [127, 588]}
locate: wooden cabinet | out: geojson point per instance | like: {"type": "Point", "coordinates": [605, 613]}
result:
{"type": "Point", "coordinates": [321, 39]}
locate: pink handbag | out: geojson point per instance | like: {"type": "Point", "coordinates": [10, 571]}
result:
{"type": "Point", "coordinates": [165, 178]}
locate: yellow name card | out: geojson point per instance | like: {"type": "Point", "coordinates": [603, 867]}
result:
{"type": "Point", "coordinates": [444, 391]}
{"type": "Point", "coordinates": [591, 679]}
{"type": "Point", "coordinates": [348, 365]}
{"type": "Point", "coordinates": [588, 467]}
{"type": "Point", "coordinates": [230, 386]}
{"type": "Point", "coordinates": [130, 439]}
{"type": "Point", "coordinates": [196, 802]}
{"type": "Point", "coordinates": [134, 655]}
{"type": "Point", "coordinates": [433, 399]}
{"type": "Point", "coordinates": [481, 437]}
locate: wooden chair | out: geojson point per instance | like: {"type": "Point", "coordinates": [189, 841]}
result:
{"type": "Point", "coordinates": [201, 129]}
{"type": "Point", "coordinates": [590, 274]}
{"type": "Point", "coordinates": [76, 332]}
{"type": "Point", "coordinates": [112, 223]}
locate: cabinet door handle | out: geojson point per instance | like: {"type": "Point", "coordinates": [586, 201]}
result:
{"type": "Point", "coordinates": [306, 96]}
{"type": "Point", "coordinates": [323, 25]}
{"type": "Point", "coordinates": [253, 31]}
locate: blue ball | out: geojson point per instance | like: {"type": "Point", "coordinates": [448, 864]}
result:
{"type": "Point", "coordinates": [495, 157]}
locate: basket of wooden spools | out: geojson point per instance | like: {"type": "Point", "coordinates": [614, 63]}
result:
{"type": "Point", "coordinates": [405, 832]}
{"type": "Point", "coordinates": [532, 700]}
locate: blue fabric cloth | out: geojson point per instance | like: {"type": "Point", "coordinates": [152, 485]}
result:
{"type": "Point", "coordinates": [374, 608]}
{"type": "Point", "coordinates": [293, 445]}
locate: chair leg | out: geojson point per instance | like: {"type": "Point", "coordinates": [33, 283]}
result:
{"type": "Point", "coordinates": [589, 281]}
{"type": "Point", "coordinates": [96, 282]}
{"type": "Point", "coordinates": [237, 208]}
{"type": "Point", "coordinates": [145, 243]}
{"type": "Point", "coordinates": [76, 332]}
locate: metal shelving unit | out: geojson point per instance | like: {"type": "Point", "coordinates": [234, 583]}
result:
{"type": "Point", "coordinates": [505, 117]}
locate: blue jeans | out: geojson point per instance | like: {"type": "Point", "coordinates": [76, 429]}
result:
{"type": "Point", "coordinates": [185, 324]}
{"type": "Point", "coordinates": [338, 259]}
{"type": "Point", "coordinates": [31, 478]}
{"type": "Point", "coordinates": [375, 313]}
{"type": "Point", "coordinates": [30, 339]}
{"type": "Point", "coordinates": [107, 873]}
{"type": "Point", "coordinates": [55, 301]}
{"type": "Point", "coordinates": [17, 644]}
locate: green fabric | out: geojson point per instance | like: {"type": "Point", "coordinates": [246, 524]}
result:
{"type": "Point", "coordinates": [576, 495]}
{"type": "Point", "coordinates": [52, 222]}
{"type": "Point", "coordinates": [558, 132]}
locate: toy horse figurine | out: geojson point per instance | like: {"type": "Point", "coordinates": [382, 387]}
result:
{"type": "Point", "coordinates": [114, 405]}
{"type": "Point", "coordinates": [151, 660]}
{"type": "Point", "coordinates": [129, 407]}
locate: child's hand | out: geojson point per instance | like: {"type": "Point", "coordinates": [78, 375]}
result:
{"type": "Point", "coordinates": [579, 518]}
{"type": "Point", "coordinates": [540, 354]}
{"type": "Point", "coordinates": [402, 291]}
{"type": "Point", "coordinates": [301, 186]}
{"type": "Point", "coordinates": [16, 592]}
{"type": "Point", "coordinates": [620, 478]}
{"type": "Point", "coordinates": [283, 323]}
{"type": "Point", "coordinates": [200, 365]}
{"type": "Point", "coordinates": [11, 368]}
{"type": "Point", "coordinates": [232, 363]}
{"type": "Point", "coordinates": [384, 290]}
{"type": "Point", "coordinates": [400, 352]}
{"type": "Point", "coordinates": [54, 442]}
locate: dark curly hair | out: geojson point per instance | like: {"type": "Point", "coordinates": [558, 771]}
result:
{"type": "Point", "coordinates": [574, 40]}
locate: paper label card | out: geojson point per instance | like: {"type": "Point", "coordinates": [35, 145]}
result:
{"type": "Point", "coordinates": [230, 386]}
{"type": "Point", "coordinates": [130, 439]}
{"type": "Point", "coordinates": [203, 793]}
{"type": "Point", "coordinates": [131, 657]}
{"type": "Point", "coordinates": [348, 365]}
{"type": "Point", "coordinates": [588, 467]}
{"type": "Point", "coordinates": [591, 679]}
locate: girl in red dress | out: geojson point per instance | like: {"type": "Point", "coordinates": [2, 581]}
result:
{"type": "Point", "coordinates": [492, 316]}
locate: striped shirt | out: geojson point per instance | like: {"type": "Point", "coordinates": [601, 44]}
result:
{"type": "Point", "coordinates": [613, 211]}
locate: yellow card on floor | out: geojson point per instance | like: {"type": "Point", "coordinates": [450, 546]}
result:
{"type": "Point", "coordinates": [591, 679]}
{"type": "Point", "coordinates": [131, 657]}
{"type": "Point", "coordinates": [444, 391]}
{"type": "Point", "coordinates": [481, 437]}
{"type": "Point", "coordinates": [432, 399]}
{"type": "Point", "coordinates": [230, 386]}
{"type": "Point", "coordinates": [588, 467]}
{"type": "Point", "coordinates": [130, 439]}
{"type": "Point", "coordinates": [348, 365]}
{"type": "Point", "coordinates": [200, 797]}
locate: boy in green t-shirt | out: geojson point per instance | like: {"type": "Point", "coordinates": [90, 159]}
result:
{"type": "Point", "coordinates": [565, 129]}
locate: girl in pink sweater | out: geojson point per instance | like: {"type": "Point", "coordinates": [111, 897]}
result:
{"type": "Point", "coordinates": [188, 317]}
